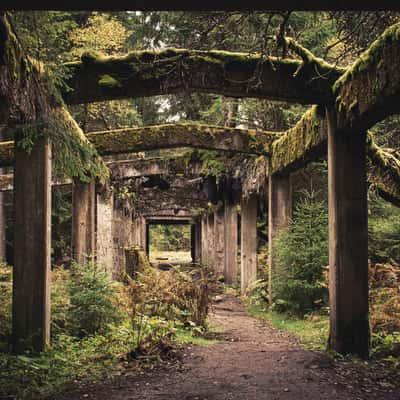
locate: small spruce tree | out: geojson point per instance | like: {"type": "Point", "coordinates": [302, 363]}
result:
{"type": "Point", "coordinates": [302, 253]}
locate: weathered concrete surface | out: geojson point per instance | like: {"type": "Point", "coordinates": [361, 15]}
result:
{"type": "Point", "coordinates": [279, 214]}
{"type": "Point", "coordinates": [231, 243]}
{"type": "Point", "coordinates": [369, 91]}
{"type": "Point", "coordinates": [248, 261]}
{"type": "Point", "coordinates": [150, 73]}
{"type": "Point", "coordinates": [219, 241]}
{"type": "Point", "coordinates": [122, 229]}
{"type": "Point", "coordinates": [348, 241]}
{"type": "Point", "coordinates": [83, 222]}
{"type": "Point", "coordinates": [182, 135]}
{"type": "Point", "coordinates": [32, 241]}
{"type": "Point", "coordinates": [204, 241]}
{"type": "Point", "coordinates": [104, 232]}
{"type": "Point", "coordinates": [210, 239]}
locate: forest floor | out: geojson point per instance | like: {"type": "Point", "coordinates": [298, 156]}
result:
{"type": "Point", "coordinates": [251, 361]}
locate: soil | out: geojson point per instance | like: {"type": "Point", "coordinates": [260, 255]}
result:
{"type": "Point", "coordinates": [252, 361]}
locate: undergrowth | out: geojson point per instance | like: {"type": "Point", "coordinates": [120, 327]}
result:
{"type": "Point", "coordinates": [100, 327]}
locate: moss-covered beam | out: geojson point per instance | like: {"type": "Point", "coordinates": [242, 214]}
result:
{"type": "Point", "coordinates": [148, 73]}
{"type": "Point", "coordinates": [131, 140]}
{"type": "Point", "coordinates": [307, 141]}
{"type": "Point", "coordinates": [182, 135]}
{"type": "Point", "coordinates": [384, 171]}
{"type": "Point", "coordinates": [369, 91]}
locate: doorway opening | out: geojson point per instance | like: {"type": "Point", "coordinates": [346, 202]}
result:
{"type": "Point", "coordinates": [169, 243]}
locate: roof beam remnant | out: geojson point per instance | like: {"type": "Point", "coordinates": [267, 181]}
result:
{"type": "Point", "coordinates": [149, 73]}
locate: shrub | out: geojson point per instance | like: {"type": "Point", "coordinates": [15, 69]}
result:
{"type": "Point", "coordinates": [180, 296]}
{"type": "Point", "coordinates": [93, 300]}
{"type": "Point", "coordinates": [383, 230]}
{"type": "Point", "coordinates": [302, 252]}
{"type": "Point", "coordinates": [5, 302]}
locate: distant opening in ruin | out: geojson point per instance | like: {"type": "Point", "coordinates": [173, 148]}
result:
{"type": "Point", "coordinates": [169, 243]}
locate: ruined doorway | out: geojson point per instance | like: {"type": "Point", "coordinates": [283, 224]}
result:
{"type": "Point", "coordinates": [170, 243]}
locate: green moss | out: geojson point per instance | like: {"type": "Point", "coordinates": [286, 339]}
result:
{"type": "Point", "coordinates": [373, 55]}
{"type": "Point", "coordinates": [294, 144]}
{"type": "Point", "coordinates": [109, 82]}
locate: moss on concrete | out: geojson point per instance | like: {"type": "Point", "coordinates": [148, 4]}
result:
{"type": "Point", "coordinates": [300, 143]}
{"type": "Point", "coordinates": [108, 81]}
{"type": "Point", "coordinates": [383, 168]}
{"type": "Point", "coordinates": [144, 73]}
{"type": "Point", "coordinates": [181, 135]}
{"type": "Point", "coordinates": [367, 92]}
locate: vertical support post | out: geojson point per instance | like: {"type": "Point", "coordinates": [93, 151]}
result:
{"type": "Point", "coordinates": [122, 238]}
{"type": "Point", "coordinates": [143, 230]}
{"type": "Point", "coordinates": [2, 218]}
{"type": "Point", "coordinates": [210, 240]}
{"type": "Point", "coordinates": [279, 214]}
{"type": "Point", "coordinates": [2, 227]}
{"type": "Point", "coordinates": [204, 240]}
{"type": "Point", "coordinates": [197, 231]}
{"type": "Point", "coordinates": [83, 221]}
{"type": "Point", "coordinates": [348, 240]}
{"type": "Point", "coordinates": [147, 227]}
{"type": "Point", "coordinates": [248, 262]}
{"type": "Point", "coordinates": [193, 242]}
{"type": "Point", "coordinates": [104, 235]}
{"type": "Point", "coordinates": [219, 241]}
{"type": "Point", "coordinates": [136, 230]}
{"type": "Point", "coordinates": [231, 243]}
{"type": "Point", "coordinates": [32, 243]}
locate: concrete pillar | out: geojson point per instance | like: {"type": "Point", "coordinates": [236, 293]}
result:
{"type": "Point", "coordinates": [204, 240]}
{"type": "Point", "coordinates": [2, 217]}
{"type": "Point", "coordinates": [143, 233]}
{"type": "Point", "coordinates": [135, 230]}
{"type": "Point", "coordinates": [83, 221]}
{"type": "Point", "coordinates": [122, 238]}
{"type": "Point", "coordinates": [2, 226]}
{"type": "Point", "coordinates": [104, 234]}
{"type": "Point", "coordinates": [32, 247]}
{"type": "Point", "coordinates": [248, 262]}
{"type": "Point", "coordinates": [279, 214]}
{"type": "Point", "coordinates": [348, 241]}
{"type": "Point", "coordinates": [197, 230]}
{"type": "Point", "coordinates": [231, 243]}
{"type": "Point", "coordinates": [219, 241]}
{"type": "Point", "coordinates": [210, 241]}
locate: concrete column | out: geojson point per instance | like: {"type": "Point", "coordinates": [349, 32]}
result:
{"type": "Point", "coordinates": [2, 217]}
{"type": "Point", "coordinates": [231, 243]}
{"type": "Point", "coordinates": [104, 235]}
{"type": "Point", "coordinates": [248, 263]}
{"type": "Point", "coordinates": [122, 238]}
{"type": "Point", "coordinates": [135, 231]}
{"type": "Point", "coordinates": [204, 240]}
{"type": "Point", "coordinates": [143, 235]}
{"type": "Point", "coordinates": [2, 227]}
{"type": "Point", "coordinates": [279, 214]}
{"type": "Point", "coordinates": [197, 241]}
{"type": "Point", "coordinates": [32, 247]}
{"type": "Point", "coordinates": [83, 221]}
{"type": "Point", "coordinates": [219, 241]}
{"type": "Point", "coordinates": [348, 241]}
{"type": "Point", "coordinates": [210, 241]}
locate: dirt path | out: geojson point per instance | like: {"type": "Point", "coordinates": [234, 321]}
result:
{"type": "Point", "coordinates": [255, 361]}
